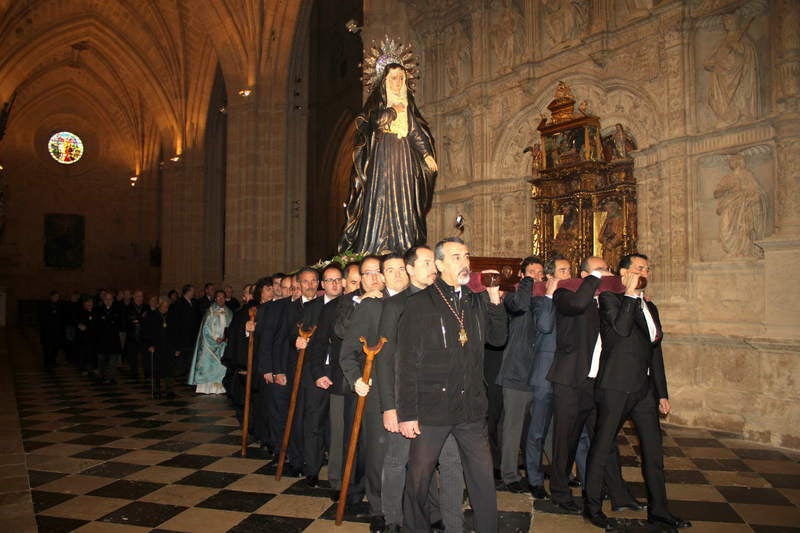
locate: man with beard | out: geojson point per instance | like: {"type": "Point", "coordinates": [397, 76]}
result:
{"type": "Point", "coordinates": [440, 389]}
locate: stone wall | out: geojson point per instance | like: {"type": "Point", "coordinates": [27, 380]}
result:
{"type": "Point", "coordinates": [710, 91]}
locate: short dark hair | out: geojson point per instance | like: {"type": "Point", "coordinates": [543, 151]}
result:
{"type": "Point", "coordinates": [438, 250]}
{"type": "Point", "coordinates": [171, 292]}
{"type": "Point", "coordinates": [530, 260]}
{"type": "Point", "coordinates": [333, 266]}
{"type": "Point", "coordinates": [371, 256]}
{"type": "Point", "coordinates": [350, 265]}
{"type": "Point", "coordinates": [410, 256]}
{"type": "Point", "coordinates": [207, 285]}
{"type": "Point", "coordinates": [389, 256]}
{"type": "Point", "coordinates": [186, 288]}
{"type": "Point", "coordinates": [550, 265]}
{"type": "Point", "coordinates": [278, 275]}
{"type": "Point", "coordinates": [307, 269]}
{"type": "Point", "coordinates": [259, 286]}
{"type": "Point", "coordinates": [219, 291]}
{"type": "Point", "coordinates": [626, 261]}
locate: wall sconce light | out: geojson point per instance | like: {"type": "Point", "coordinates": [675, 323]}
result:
{"type": "Point", "coordinates": [175, 158]}
{"type": "Point", "coordinates": [245, 92]}
{"type": "Point", "coordinates": [134, 179]}
{"type": "Point", "coordinates": [2, 167]}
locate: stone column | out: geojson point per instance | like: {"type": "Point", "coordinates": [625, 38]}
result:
{"type": "Point", "coordinates": [182, 222]}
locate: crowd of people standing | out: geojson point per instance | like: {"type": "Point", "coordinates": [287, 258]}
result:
{"type": "Point", "coordinates": [575, 357]}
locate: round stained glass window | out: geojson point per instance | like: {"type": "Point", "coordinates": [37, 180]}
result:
{"type": "Point", "coordinates": [65, 147]}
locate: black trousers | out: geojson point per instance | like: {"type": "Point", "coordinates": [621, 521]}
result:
{"type": "Point", "coordinates": [574, 408]}
{"type": "Point", "coordinates": [476, 458]}
{"type": "Point", "coordinates": [613, 408]}
{"type": "Point", "coordinates": [315, 423]}
{"type": "Point", "coordinates": [278, 397]}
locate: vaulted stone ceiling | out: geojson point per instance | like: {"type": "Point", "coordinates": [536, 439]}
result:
{"type": "Point", "coordinates": [146, 67]}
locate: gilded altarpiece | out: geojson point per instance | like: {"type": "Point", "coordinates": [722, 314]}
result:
{"type": "Point", "coordinates": [583, 185]}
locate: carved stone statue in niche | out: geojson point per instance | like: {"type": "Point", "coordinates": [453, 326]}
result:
{"type": "Point", "coordinates": [458, 61]}
{"type": "Point", "coordinates": [504, 27]}
{"type": "Point", "coordinates": [618, 144]}
{"type": "Point", "coordinates": [733, 84]}
{"type": "Point", "coordinates": [611, 234]}
{"type": "Point", "coordinates": [742, 210]}
{"type": "Point", "coordinates": [565, 21]}
{"type": "Point", "coordinates": [457, 148]}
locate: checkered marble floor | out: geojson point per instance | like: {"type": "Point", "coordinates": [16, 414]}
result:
{"type": "Point", "coordinates": [110, 458]}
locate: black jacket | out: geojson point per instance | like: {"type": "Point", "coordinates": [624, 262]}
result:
{"type": "Point", "coordinates": [578, 324]}
{"type": "Point", "coordinates": [109, 324]}
{"type": "Point", "coordinates": [235, 356]}
{"type": "Point", "coordinates": [385, 361]}
{"type": "Point", "coordinates": [323, 350]}
{"type": "Point", "coordinates": [183, 319]}
{"type": "Point", "coordinates": [439, 382]}
{"type": "Point", "coordinates": [364, 322]}
{"type": "Point", "coordinates": [134, 318]}
{"type": "Point", "coordinates": [530, 319]}
{"type": "Point", "coordinates": [271, 336]}
{"type": "Point", "coordinates": [628, 354]}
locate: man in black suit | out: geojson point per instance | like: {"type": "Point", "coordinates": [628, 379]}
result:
{"type": "Point", "coordinates": [183, 319]}
{"type": "Point", "coordinates": [440, 389]}
{"type": "Point", "coordinates": [271, 342]}
{"type": "Point", "coordinates": [631, 383]}
{"type": "Point", "coordinates": [52, 322]}
{"type": "Point", "coordinates": [380, 279]}
{"type": "Point", "coordinates": [316, 399]}
{"type": "Point", "coordinates": [573, 375]}
{"type": "Point", "coordinates": [323, 366]}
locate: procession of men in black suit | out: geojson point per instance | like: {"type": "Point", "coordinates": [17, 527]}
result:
{"type": "Point", "coordinates": [577, 359]}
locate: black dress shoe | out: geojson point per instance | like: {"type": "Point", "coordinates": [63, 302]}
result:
{"type": "Point", "coordinates": [569, 506]}
{"type": "Point", "coordinates": [574, 482]}
{"type": "Point", "coordinates": [539, 492]}
{"type": "Point", "coordinates": [377, 524]}
{"type": "Point", "coordinates": [436, 527]}
{"type": "Point", "coordinates": [393, 528]}
{"type": "Point", "coordinates": [312, 481]}
{"type": "Point", "coordinates": [600, 520]}
{"type": "Point", "coordinates": [516, 487]}
{"type": "Point", "coordinates": [633, 505]}
{"type": "Point", "coordinates": [670, 520]}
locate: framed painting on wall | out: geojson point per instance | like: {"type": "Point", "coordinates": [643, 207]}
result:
{"type": "Point", "coordinates": [63, 240]}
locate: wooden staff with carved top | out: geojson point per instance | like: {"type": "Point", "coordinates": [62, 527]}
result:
{"type": "Point", "coordinates": [248, 385]}
{"type": "Point", "coordinates": [371, 352]}
{"type": "Point", "coordinates": [287, 432]}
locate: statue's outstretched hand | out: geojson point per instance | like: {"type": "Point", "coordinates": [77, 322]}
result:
{"type": "Point", "coordinates": [431, 162]}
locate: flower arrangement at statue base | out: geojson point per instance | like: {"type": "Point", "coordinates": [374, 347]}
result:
{"type": "Point", "coordinates": [342, 259]}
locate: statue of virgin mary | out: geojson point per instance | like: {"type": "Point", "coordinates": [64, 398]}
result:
{"type": "Point", "coordinates": [394, 160]}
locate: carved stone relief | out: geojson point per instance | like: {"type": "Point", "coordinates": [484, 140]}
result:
{"type": "Point", "coordinates": [458, 61]}
{"type": "Point", "coordinates": [564, 22]}
{"type": "Point", "coordinates": [734, 192]}
{"type": "Point", "coordinates": [506, 20]}
{"type": "Point", "coordinates": [457, 144]}
{"type": "Point", "coordinates": [729, 60]}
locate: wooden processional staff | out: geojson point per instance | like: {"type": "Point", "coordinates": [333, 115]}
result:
{"type": "Point", "coordinates": [298, 371]}
{"type": "Point", "coordinates": [371, 352]}
{"type": "Point", "coordinates": [248, 385]}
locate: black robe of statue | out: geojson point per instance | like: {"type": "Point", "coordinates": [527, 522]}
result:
{"type": "Point", "coordinates": [392, 187]}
